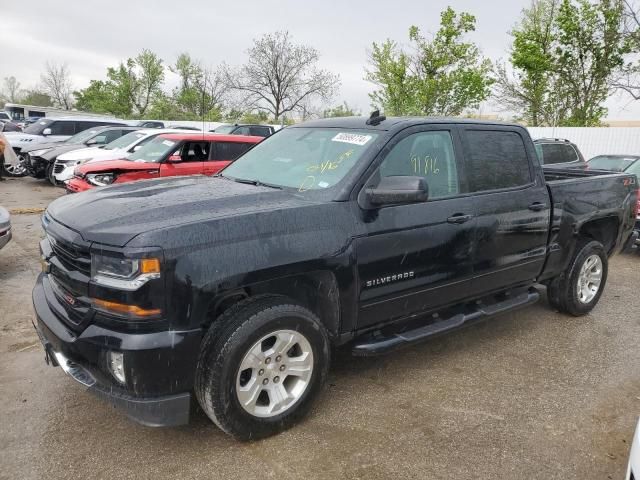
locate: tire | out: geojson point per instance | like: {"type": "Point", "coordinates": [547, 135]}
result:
{"type": "Point", "coordinates": [17, 170]}
{"type": "Point", "coordinates": [243, 328]}
{"type": "Point", "coordinates": [49, 174]}
{"type": "Point", "coordinates": [566, 293]}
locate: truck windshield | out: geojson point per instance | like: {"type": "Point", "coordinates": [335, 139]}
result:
{"type": "Point", "coordinates": [302, 158]}
{"type": "Point", "coordinates": [613, 163]}
{"type": "Point", "coordinates": [37, 128]}
{"type": "Point", "coordinates": [155, 150]}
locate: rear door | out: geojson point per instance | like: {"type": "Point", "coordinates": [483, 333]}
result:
{"type": "Point", "coordinates": [511, 205]}
{"type": "Point", "coordinates": [188, 159]}
{"type": "Point", "coordinates": [417, 257]}
{"type": "Point", "coordinates": [222, 154]}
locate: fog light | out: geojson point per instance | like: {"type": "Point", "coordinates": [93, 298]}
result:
{"type": "Point", "coordinates": [116, 365]}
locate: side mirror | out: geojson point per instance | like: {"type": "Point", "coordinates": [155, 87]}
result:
{"type": "Point", "coordinates": [46, 131]}
{"type": "Point", "coordinates": [174, 159]}
{"type": "Point", "coordinates": [398, 189]}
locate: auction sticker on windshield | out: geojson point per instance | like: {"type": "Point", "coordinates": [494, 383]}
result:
{"type": "Point", "coordinates": [353, 138]}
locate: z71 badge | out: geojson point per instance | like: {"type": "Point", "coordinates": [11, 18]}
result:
{"type": "Point", "coordinates": [389, 279]}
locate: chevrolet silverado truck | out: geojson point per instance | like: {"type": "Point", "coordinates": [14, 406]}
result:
{"type": "Point", "coordinates": [377, 232]}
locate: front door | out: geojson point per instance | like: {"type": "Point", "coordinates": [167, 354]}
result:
{"type": "Point", "coordinates": [417, 257]}
{"type": "Point", "coordinates": [189, 159]}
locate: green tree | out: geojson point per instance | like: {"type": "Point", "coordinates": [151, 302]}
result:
{"type": "Point", "coordinates": [565, 57]}
{"type": "Point", "coordinates": [37, 98]}
{"type": "Point", "coordinates": [444, 76]}
{"type": "Point", "coordinates": [129, 90]}
{"type": "Point", "coordinates": [340, 111]}
{"type": "Point", "coordinates": [11, 90]}
{"type": "Point", "coordinates": [201, 91]}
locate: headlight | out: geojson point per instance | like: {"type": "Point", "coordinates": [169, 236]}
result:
{"type": "Point", "coordinates": [37, 153]}
{"type": "Point", "coordinates": [100, 179]}
{"type": "Point", "coordinates": [123, 273]}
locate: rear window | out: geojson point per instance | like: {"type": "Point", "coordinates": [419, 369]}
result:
{"type": "Point", "coordinates": [615, 164]}
{"type": "Point", "coordinates": [496, 160]}
{"type": "Point", "coordinates": [557, 153]}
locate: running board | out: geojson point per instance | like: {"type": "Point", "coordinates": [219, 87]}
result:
{"type": "Point", "coordinates": [379, 343]}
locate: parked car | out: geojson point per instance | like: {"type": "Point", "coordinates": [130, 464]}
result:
{"type": "Point", "coordinates": [50, 130]}
{"type": "Point", "coordinates": [5, 117]}
{"type": "Point", "coordinates": [378, 232]}
{"type": "Point", "coordinates": [246, 129]}
{"type": "Point", "coordinates": [168, 155]}
{"type": "Point", "coordinates": [150, 124]}
{"type": "Point", "coordinates": [40, 161]}
{"type": "Point", "coordinates": [5, 227]}
{"type": "Point", "coordinates": [8, 126]}
{"type": "Point", "coordinates": [559, 153]}
{"type": "Point", "coordinates": [118, 149]}
{"type": "Point", "coordinates": [621, 163]}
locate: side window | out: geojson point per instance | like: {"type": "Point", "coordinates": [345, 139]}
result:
{"type": "Point", "coordinates": [62, 128]}
{"type": "Point", "coordinates": [569, 153]}
{"type": "Point", "coordinates": [242, 131]}
{"type": "Point", "coordinates": [558, 153]}
{"type": "Point", "coordinates": [495, 160]}
{"type": "Point", "coordinates": [82, 126]}
{"type": "Point", "coordinates": [111, 135]}
{"type": "Point", "coordinates": [230, 150]}
{"type": "Point", "coordinates": [260, 131]}
{"type": "Point", "coordinates": [195, 151]}
{"type": "Point", "coordinates": [425, 154]}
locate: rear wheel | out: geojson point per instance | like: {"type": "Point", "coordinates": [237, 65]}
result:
{"type": "Point", "coordinates": [578, 290]}
{"type": "Point", "coordinates": [261, 365]}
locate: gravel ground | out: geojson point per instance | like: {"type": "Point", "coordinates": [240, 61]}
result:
{"type": "Point", "coordinates": [533, 394]}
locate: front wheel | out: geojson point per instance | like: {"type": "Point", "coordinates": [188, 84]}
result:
{"type": "Point", "coordinates": [578, 290]}
{"type": "Point", "coordinates": [17, 170]}
{"type": "Point", "coordinates": [261, 365]}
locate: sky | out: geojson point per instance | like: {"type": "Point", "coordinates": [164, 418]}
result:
{"type": "Point", "coordinates": [90, 36]}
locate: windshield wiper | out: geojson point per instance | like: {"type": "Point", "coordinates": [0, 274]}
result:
{"type": "Point", "coordinates": [257, 183]}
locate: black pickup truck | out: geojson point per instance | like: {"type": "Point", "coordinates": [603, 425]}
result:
{"type": "Point", "coordinates": [375, 232]}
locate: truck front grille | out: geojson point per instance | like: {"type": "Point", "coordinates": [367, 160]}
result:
{"type": "Point", "coordinates": [71, 256]}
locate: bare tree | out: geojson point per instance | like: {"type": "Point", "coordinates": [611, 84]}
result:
{"type": "Point", "coordinates": [280, 76]}
{"type": "Point", "coordinates": [57, 84]}
{"type": "Point", "coordinates": [628, 78]}
{"type": "Point", "coordinates": [11, 90]}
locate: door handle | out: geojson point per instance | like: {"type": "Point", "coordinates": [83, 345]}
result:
{"type": "Point", "coordinates": [537, 206]}
{"type": "Point", "coordinates": [459, 218]}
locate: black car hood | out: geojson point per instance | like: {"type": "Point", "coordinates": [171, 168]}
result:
{"type": "Point", "coordinates": [115, 215]}
{"type": "Point", "coordinates": [60, 149]}
{"type": "Point", "coordinates": [42, 145]}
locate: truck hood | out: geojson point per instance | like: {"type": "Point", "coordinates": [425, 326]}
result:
{"type": "Point", "coordinates": [116, 214]}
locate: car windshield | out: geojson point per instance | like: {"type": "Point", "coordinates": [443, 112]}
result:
{"type": "Point", "coordinates": [37, 128]}
{"type": "Point", "coordinates": [225, 129]}
{"type": "Point", "coordinates": [155, 150]}
{"type": "Point", "coordinates": [302, 158]}
{"type": "Point", "coordinates": [82, 136]}
{"type": "Point", "coordinates": [613, 163]}
{"type": "Point", "coordinates": [124, 141]}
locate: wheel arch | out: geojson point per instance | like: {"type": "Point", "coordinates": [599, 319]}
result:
{"type": "Point", "coordinates": [604, 230]}
{"type": "Point", "coordinates": [316, 290]}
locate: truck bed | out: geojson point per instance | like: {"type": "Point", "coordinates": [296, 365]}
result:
{"type": "Point", "coordinates": [579, 197]}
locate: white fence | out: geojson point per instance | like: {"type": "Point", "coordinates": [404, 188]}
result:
{"type": "Point", "coordinates": [595, 141]}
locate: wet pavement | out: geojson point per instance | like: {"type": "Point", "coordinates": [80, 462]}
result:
{"type": "Point", "coordinates": [532, 394]}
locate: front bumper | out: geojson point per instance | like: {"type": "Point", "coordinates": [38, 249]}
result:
{"type": "Point", "coordinates": [36, 166]}
{"type": "Point", "coordinates": [77, 185]}
{"type": "Point", "coordinates": [160, 366]}
{"type": "Point", "coordinates": [5, 236]}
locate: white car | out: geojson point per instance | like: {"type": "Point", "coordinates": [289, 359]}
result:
{"type": "Point", "coordinates": [633, 470]}
{"type": "Point", "coordinates": [120, 148]}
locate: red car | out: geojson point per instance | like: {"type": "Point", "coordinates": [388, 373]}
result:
{"type": "Point", "coordinates": [167, 155]}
